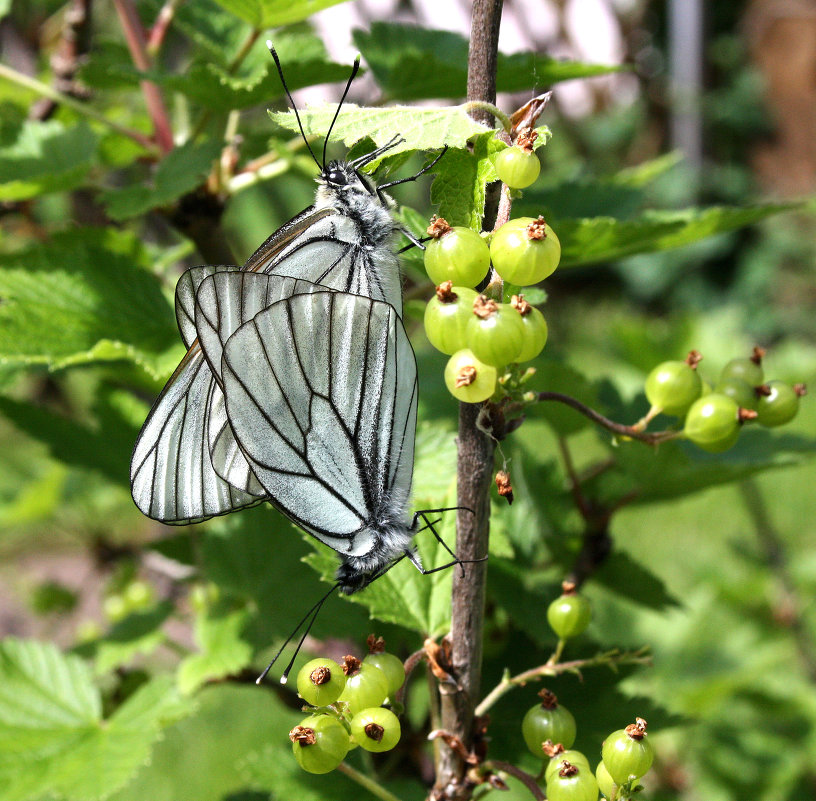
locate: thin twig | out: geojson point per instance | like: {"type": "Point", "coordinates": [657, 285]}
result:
{"type": "Point", "coordinates": [81, 108]}
{"type": "Point", "coordinates": [525, 778]}
{"type": "Point", "coordinates": [136, 40]}
{"type": "Point", "coordinates": [653, 438]}
{"type": "Point", "coordinates": [369, 784]}
{"type": "Point", "coordinates": [160, 27]}
{"type": "Point", "coordinates": [609, 658]}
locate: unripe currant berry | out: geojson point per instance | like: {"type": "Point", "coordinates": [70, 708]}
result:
{"type": "Point", "coordinates": [320, 682]}
{"type": "Point", "coordinates": [749, 370]}
{"type": "Point", "coordinates": [569, 615]}
{"type": "Point", "coordinates": [525, 251]}
{"type": "Point", "coordinates": [572, 783]}
{"type": "Point", "coordinates": [547, 721]}
{"type": "Point", "coordinates": [366, 685]}
{"type": "Point", "coordinates": [455, 254]}
{"type": "Point", "coordinates": [778, 403]}
{"type": "Point", "coordinates": [517, 165]}
{"type": "Point", "coordinates": [672, 387]}
{"type": "Point", "coordinates": [627, 753]}
{"type": "Point", "coordinates": [447, 316]}
{"type": "Point", "coordinates": [376, 729]}
{"type": "Point", "coordinates": [606, 784]}
{"type": "Point", "coordinates": [495, 332]}
{"type": "Point", "coordinates": [713, 423]}
{"type": "Point", "coordinates": [741, 392]}
{"type": "Point", "coordinates": [320, 743]}
{"type": "Point", "coordinates": [389, 664]}
{"type": "Point", "coordinates": [535, 329]}
{"type": "Point", "coordinates": [469, 379]}
{"type": "Point", "coordinates": [558, 755]}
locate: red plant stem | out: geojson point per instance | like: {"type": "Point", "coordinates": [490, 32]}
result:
{"type": "Point", "coordinates": [135, 36]}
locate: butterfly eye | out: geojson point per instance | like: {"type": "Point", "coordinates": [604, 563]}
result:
{"type": "Point", "coordinates": [337, 177]}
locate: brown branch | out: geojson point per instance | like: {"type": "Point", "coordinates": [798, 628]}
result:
{"type": "Point", "coordinates": [474, 474]}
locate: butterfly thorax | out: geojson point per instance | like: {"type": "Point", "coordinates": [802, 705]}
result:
{"type": "Point", "coordinates": [355, 196]}
{"type": "Point", "coordinates": [391, 539]}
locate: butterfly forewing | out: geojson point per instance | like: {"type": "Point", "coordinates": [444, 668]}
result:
{"type": "Point", "coordinates": [186, 290]}
{"type": "Point", "coordinates": [330, 436]}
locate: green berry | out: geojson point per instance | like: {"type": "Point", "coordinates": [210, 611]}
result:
{"type": "Point", "coordinates": [627, 753]}
{"type": "Point", "coordinates": [673, 386]}
{"type": "Point", "coordinates": [749, 370]}
{"type": "Point", "coordinates": [547, 721]}
{"type": "Point", "coordinates": [469, 379]}
{"type": "Point", "coordinates": [741, 392]}
{"type": "Point", "coordinates": [606, 784]}
{"type": "Point", "coordinates": [455, 254]}
{"type": "Point", "coordinates": [320, 682]}
{"type": "Point", "coordinates": [447, 315]}
{"type": "Point", "coordinates": [517, 167]}
{"type": "Point", "coordinates": [366, 685]}
{"type": "Point", "coordinates": [525, 251]}
{"type": "Point", "coordinates": [115, 608]}
{"type": "Point", "coordinates": [572, 783]}
{"type": "Point", "coordinates": [778, 403]}
{"type": "Point", "coordinates": [535, 329]}
{"type": "Point", "coordinates": [320, 743]}
{"type": "Point", "coordinates": [569, 615]}
{"type": "Point", "coordinates": [573, 757]}
{"type": "Point", "coordinates": [495, 332]}
{"type": "Point", "coordinates": [376, 729]}
{"type": "Point", "coordinates": [713, 423]}
{"type": "Point", "coordinates": [392, 667]}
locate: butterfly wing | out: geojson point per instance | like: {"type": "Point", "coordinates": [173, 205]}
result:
{"type": "Point", "coordinates": [321, 394]}
{"type": "Point", "coordinates": [186, 290]}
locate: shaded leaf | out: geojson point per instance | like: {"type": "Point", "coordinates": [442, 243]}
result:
{"type": "Point", "coordinates": [47, 157]}
{"type": "Point", "coordinates": [182, 170]}
{"type": "Point", "coordinates": [136, 635]}
{"type": "Point", "coordinates": [223, 651]}
{"type": "Point", "coordinates": [84, 296]}
{"type": "Point", "coordinates": [413, 63]}
{"type": "Point", "coordinates": [605, 238]}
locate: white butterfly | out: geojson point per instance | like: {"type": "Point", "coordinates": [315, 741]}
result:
{"type": "Point", "coordinates": [298, 386]}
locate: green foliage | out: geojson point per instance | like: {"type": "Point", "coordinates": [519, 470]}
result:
{"type": "Point", "coordinates": [152, 706]}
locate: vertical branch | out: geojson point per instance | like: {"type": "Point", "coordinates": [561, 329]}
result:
{"type": "Point", "coordinates": [474, 471]}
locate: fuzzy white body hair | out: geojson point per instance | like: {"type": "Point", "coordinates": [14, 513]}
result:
{"type": "Point", "coordinates": [390, 537]}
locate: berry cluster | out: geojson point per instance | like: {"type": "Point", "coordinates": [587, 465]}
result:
{"type": "Point", "coordinates": [479, 332]}
{"type": "Point", "coordinates": [713, 418]}
{"type": "Point", "coordinates": [626, 755]}
{"type": "Point", "coordinates": [348, 709]}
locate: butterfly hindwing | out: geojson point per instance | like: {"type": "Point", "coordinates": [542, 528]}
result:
{"type": "Point", "coordinates": [321, 395]}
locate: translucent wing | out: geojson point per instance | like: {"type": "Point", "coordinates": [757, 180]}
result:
{"type": "Point", "coordinates": [187, 429]}
{"type": "Point", "coordinates": [321, 394]}
{"type": "Point", "coordinates": [171, 473]}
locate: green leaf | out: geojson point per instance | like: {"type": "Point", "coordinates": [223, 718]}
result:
{"type": "Point", "coordinates": [84, 296]}
{"type": "Point", "coordinates": [47, 157]}
{"type": "Point", "coordinates": [220, 752]}
{"type": "Point", "coordinates": [181, 171]}
{"type": "Point", "coordinates": [461, 178]}
{"type": "Point", "coordinates": [273, 13]}
{"type": "Point", "coordinates": [421, 128]}
{"type": "Point", "coordinates": [138, 634]}
{"type": "Point", "coordinates": [105, 447]}
{"type": "Point", "coordinates": [413, 63]}
{"type": "Point", "coordinates": [223, 651]}
{"type": "Point", "coordinates": [53, 739]}
{"type": "Point", "coordinates": [216, 87]}
{"type": "Point", "coordinates": [605, 239]}
{"type": "Point", "coordinates": [553, 376]}
{"type": "Point", "coordinates": [630, 579]}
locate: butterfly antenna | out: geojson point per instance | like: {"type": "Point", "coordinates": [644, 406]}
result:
{"type": "Point", "coordinates": [354, 71]}
{"type": "Point", "coordinates": [294, 108]}
{"type": "Point", "coordinates": [313, 613]}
